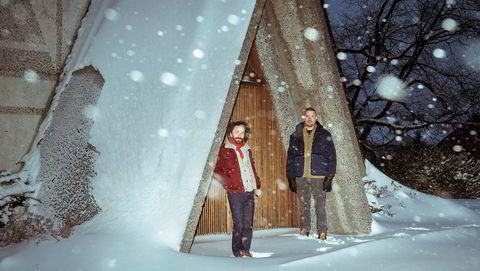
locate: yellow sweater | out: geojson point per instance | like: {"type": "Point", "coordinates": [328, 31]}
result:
{"type": "Point", "coordinates": [307, 163]}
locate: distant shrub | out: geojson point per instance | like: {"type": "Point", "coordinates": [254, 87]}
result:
{"type": "Point", "coordinates": [433, 170]}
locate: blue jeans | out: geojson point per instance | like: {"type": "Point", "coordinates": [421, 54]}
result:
{"type": "Point", "coordinates": [242, 206]}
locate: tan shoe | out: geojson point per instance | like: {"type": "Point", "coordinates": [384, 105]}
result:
{"type": "Point", "coordinates": [322, 235]}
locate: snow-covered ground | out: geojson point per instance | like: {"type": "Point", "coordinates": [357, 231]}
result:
{"type": "Point", "coordinates": [419, 232]}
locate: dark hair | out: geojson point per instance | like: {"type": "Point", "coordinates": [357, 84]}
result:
{"type": "Point", "coordinates": [232, 125]}
{"type": "Point", "coordinates": [310, 109]}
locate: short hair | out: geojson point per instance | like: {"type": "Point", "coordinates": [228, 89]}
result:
{"type": "Point", "coordinates": [232, 125]}
{"type": "Point", "coordinates": [310, 109]}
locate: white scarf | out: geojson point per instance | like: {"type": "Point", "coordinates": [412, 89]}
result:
{"type": "Point", "coordinates": [246, 170]}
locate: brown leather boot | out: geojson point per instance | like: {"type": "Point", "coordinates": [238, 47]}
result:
{"type": "Point", "coordinates": [322, 235]}
{"type": "Point", "coordinates": [247, 254]}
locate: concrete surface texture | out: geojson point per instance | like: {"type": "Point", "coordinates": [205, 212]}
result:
{"type": "Point", "coordinates": [35, 39]}
{"type": "Point", "coordinates": [67, 159]}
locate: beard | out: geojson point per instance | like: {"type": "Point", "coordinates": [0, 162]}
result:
{"type": "Point", "coordinates": [238, 140]}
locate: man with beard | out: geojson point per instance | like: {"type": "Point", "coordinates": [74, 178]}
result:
{"type": "Point", "coordinates": [311, 166]}
{"type": "Point", "coordinates": [236, 169]}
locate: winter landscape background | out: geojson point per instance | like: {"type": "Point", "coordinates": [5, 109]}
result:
{"type": "Point", "coordinates": [173, 74]}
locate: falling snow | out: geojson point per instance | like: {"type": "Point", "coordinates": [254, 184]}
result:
{"type": "Point", "coordinates": [391, 88]}
{"type": "Point", "coordinates": [341, 56]}
{"type": "Point", "coordinates": [457, 148]}
{"type": "Point", "coordinates": [136, 76]}
{"type": "Point", "coordinates": [450, 3]}
{"type": "Point", "coordinates": [439, 53]}
{"type": "Point", "coordinates": [112, 14]}
{"type": "Point", "coordinates": [162, 132]}
{"type": "Point", "coordinates": [371, 69]}
{"type": "Point", "coordinates": [391, 119]}
{"type": "Point", "coordinates": [197, 53]}
{"type": "Point", "coordinates": [472, 56]}
{"type": "Point", "coordinates": [169, 78]}
{"type": "Point", "coordinates": [449, 24]}
{"type": "Point", "coordinates": [311, 34]}
{"type": "Point", "coordinates": [224, 28]}
{"type": "Point", "coordinates": [281, 185]}
{"type": "Point", "coordinates": [31, 76]}
{"type": "Point", "coordinates": [233, 19]}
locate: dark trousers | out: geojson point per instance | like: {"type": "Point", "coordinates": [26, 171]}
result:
{"type": "Point", "coordinates": [306, 188]}
{"type": "Point", "coordinates": [242, 206]}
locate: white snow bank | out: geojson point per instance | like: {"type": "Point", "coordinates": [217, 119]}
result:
{"type": "Point", "coordinates": [411, 208]}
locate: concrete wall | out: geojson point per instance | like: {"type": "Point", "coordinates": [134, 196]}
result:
{"type": "Point", "coordinates": [66, 167]}
{"type": "Point", "coordinates": [35, 39]}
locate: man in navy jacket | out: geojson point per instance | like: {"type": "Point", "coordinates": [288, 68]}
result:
{"type": "Point", "coordinates": [311, 166]}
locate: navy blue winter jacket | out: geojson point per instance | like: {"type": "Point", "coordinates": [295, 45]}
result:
{"type": "Point", "coordinates": [324, 159]}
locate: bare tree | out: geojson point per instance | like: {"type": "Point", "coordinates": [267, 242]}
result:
{"type": "Point", "coordinates": [429, 45]}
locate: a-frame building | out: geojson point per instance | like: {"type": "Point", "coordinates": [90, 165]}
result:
{"type": "Point", "coordinates": [295, 52]}
{"type": "Point", "coordinates": [292, 54]}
